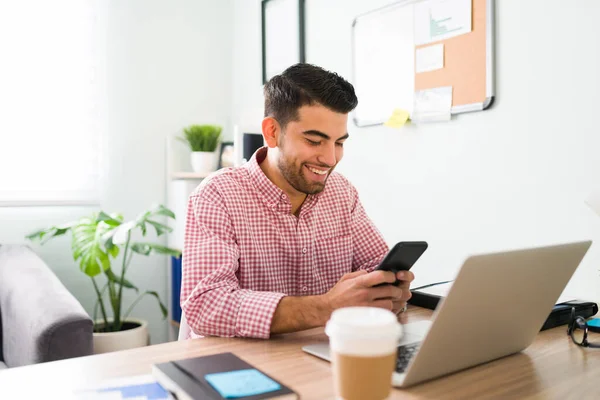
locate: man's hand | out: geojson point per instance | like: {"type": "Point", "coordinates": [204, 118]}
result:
{"type": "Point", "coordinates": [357, 289]}
{"type": "Point", "coordinates": [405, 278]}
{"type": "Point", "coordinates": [296, 313]}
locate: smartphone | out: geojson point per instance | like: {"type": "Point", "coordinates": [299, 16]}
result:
{"type": "Point", "coordinates": [402, 257]}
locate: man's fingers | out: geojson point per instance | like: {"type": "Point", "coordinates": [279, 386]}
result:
{"type": "Point", "coordinates": [387, 304]}
{"type": "Point", "coordinates": [352, 275]}
{"type": "Point", "coordinates": [386, 292]}
{"type": "Point", "coordinates": [405, 276]}
{"type": "Point", "coordinates": [378, 277]}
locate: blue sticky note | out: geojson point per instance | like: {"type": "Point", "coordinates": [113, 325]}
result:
{"type": "Point", "coordinates": [241, 383]}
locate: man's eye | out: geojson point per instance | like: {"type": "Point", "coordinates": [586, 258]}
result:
{"type": "Point", "coordinates": [312, 142]}
{"type": "Point", "coordinates": [340, 144]}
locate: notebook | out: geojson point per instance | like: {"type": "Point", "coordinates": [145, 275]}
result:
{"type": "Point", "coordinates": [219, 376]}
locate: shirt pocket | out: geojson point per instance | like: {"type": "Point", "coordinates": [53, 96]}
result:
{"type": "Point", "coordinates": [333, 259]}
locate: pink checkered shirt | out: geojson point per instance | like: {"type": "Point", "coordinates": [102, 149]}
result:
{"type": "Point", "coordinates": [244, 250]}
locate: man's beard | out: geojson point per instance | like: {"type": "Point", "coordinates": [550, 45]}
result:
{"type": "Point", "coordinates": [295, 177]}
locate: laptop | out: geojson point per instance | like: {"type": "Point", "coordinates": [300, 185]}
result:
{"type": "Point", "coordinates": [495, 307]}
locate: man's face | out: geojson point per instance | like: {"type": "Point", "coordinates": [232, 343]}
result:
{"type": "Point", "coordinates": [310, 148]}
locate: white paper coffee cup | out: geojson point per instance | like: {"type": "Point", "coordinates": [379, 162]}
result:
{"type": "Point", "coordinates": [363, 343]}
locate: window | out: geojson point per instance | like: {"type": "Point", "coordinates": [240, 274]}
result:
{"type": "Point", "coordinates": [51, 102]}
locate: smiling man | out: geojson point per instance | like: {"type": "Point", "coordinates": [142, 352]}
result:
{"type": "Point", "coordinates": [277, 244]}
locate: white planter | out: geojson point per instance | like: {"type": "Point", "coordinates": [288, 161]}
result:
{"type": "Point", "coordinates": [203, 161]}
{"type": "Point", "coordinates": [106, 342]}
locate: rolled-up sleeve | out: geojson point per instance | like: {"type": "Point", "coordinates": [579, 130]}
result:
{"type": "Point", "coordinates": [369, 247]}
{"type": "Point", "coordinates": [211, 297]}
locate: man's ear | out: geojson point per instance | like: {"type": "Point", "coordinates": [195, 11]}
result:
{"type": "Point", "coordinates": [271, 131]}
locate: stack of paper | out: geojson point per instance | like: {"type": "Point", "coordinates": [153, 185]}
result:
{"type": "Point", "coordinates": [141, 387]}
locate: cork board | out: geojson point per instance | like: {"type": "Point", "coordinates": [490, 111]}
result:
{"type": "Point", "coordinates": [468, 62]}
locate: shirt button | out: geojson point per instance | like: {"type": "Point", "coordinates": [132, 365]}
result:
{"type": "Point", "coordinates": [304, 289]}
{"type": "Point", "coordinates": [304, 250]}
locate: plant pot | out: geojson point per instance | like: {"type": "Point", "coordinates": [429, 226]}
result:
{"type": "Point", "coordinates": [136, 336]}
{"type": "Point", "coordinates": [203, 161]}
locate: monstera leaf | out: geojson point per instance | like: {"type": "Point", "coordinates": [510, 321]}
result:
{"type": "Point", "coordinates": [88, 246]}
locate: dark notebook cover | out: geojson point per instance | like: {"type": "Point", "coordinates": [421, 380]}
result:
{"type": "Point", "coordinates": [189, 375]}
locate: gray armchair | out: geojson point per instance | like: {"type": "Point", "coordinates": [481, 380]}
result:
{"type": "Point", "coordinates": [39, 318]}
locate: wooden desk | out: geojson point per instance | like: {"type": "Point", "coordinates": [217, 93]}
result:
{"type": "Point", "coordinates": [552, 367]}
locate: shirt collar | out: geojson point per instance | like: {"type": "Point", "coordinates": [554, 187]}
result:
{"type": "Point", "coordinates": [271, 194]}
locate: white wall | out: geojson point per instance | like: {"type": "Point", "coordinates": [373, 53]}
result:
{"type": "Point", "coordinates": [515, 175]}
{"type": "Point", "coordinates": [168, 65]}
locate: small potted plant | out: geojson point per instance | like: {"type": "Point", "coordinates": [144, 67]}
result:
{"type": "Point", "coordinates": [98, 240]}
{"type": "Point", "coordinates": [203, 141]}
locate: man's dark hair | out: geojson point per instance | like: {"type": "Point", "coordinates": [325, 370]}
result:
{"type": "Point", "coordinates": [305, 84]}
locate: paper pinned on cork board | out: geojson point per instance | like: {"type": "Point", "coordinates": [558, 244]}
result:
{"type": "Point", "coordinates": [441, 19]}
{"type": "Point", "coordinates": [432, 105]}
{"type": "Point", "coordinates": [429, 58]}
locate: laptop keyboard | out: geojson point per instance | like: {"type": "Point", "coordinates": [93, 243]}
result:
{"type": "Point", "coordinates": [405, 353]}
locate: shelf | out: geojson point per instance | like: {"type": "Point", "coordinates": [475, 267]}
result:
{"type": "Point", "coordinates": [190, 175]}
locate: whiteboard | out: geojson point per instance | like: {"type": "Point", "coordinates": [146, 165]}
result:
{"type": "Point", "coordinates": [383, 52]}
{"type": "Point", "coordinates": [383, 61]}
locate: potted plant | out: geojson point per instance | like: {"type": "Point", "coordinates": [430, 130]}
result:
{"type": "Point", "coordinates": [96, 242]}
{"type": "Point", "coordinates": [203, 141]}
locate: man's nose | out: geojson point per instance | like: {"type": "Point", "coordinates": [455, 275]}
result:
{"type": "Point", "coordinates": [328, 155]}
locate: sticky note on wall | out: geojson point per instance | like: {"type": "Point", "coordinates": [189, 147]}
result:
{"type": "Point", "coordinates": [398, 118]}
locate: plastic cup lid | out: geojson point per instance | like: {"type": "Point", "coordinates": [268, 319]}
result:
{"type": "Point", "coordinates": [368, 322]}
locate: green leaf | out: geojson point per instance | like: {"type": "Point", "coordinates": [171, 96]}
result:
{"type": "Point", "coordinates": [94, 262]}
{"type": "Point", "coordinates": [113, 251]}
{"type": "Point", "coordinates": [36, 235]}
{"type": "Point", "coordinates": [46, 234]}
{"type": "Point", "coordinates": [145, 218]}
{"type": "Point", "coordinates": [163, 309]}
{"type": "Point", "coordinates": [141, 248]}
{"type": "Point", "coordinates": [110, 220]}
{"type": "Point", "coordinates": [120, 233]}
{"type": "Point", "coordinates": [125, 283]}
{"type": "Point", "coordinates": [160, 228]}
{"type": "Point", "coordinates": [203, 137]}
{"type": "Point", "coordinates": [147, 248]}
{"type": "Point", "coordinates": [162, 210]}
{"type": "Point", "coordinates": [54, 232]}
{"type": "Point", "coordinates": [155, 210]}
{"type": "Point", "coordinates": [87, 245]}
{"type": "Point", "coordinates": [108, 239]}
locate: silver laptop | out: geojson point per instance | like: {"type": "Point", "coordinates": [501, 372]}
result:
{"type": "Point", "coordinates": [495, 307]}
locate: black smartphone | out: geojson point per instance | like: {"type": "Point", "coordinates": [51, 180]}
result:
{"type": "Point", "coordinates": [402, 257]}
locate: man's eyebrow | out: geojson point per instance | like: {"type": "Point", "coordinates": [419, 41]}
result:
{"type": "Point", "coordinates": [323, 135]}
